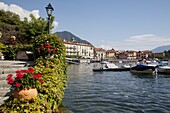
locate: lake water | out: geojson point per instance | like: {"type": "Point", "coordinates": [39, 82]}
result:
{"type": "Point", "coordinates": [115, 92]}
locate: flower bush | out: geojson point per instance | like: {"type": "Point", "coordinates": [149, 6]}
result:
{"type": "Point", "coordinates": [25, 79]}
{"type": "Point", "coordinates": [46, 49]}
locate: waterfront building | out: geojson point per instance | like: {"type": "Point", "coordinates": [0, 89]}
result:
{"type": "Point", "coordinates": [131, 55]}
{"type": "Point", "coordinates": [123, 55]}
{"type": "Point", "coordinates": [159, 55]}
{"type": "Point", "coordinates": [144, 54]}
{"type": "Point", "coordinates": [76, 49]}
{"type": "Point", "coordinates": [111, 54]}
{"type": "Point", "coordinates": [100, 54]}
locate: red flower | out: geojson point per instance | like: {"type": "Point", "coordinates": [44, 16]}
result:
{"type": "Point", "coordinates": [31, 70]}
{"type": "Point", "coordinates": [17, 84]}
{"type": "Point", "coordinates": [55, 49]}
{"type": "Point", "coordinates": [24, 71]}
{"type": "Point", "coordinates": [48, 46]}
{"type": "Point", "coordinates": [48, 50]}
{"type": "Point", "coordinates": [10, 75]}
{"type": "Point", "coordinates": [38, 51]}
{"type": "Point", "coordinates": [18, 71]}
{"type": "Point", "coordinates": [10, 81]}
{"type": "Point", "coordinates": [19, 76]}
{"type": "Point", "coordinates": [9, 78]}
{"type": "Point", "coordinates": [42, 47]}
{"type": "Point", "coordinates": [35, 76]}
{"type": "Point", "coordinates": [39, 75]}
{"type": "Point", "coordinates": [41, 80]}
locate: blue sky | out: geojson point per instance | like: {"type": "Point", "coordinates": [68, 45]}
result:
{"type": "Point", "coordinates": [117, 24]}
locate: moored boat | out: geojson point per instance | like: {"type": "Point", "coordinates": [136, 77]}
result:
{"type": "Point", "coordinates": [144, 69]}
{"type": "Point", "coordinates": [111, 67]}
{"type": "Point", "coordinates": [164, 69]}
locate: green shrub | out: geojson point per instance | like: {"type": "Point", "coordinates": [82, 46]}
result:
{"type": "Point", "coordinates": [53, 67]}
{"type": "Point", "coordinates": [2, 47]}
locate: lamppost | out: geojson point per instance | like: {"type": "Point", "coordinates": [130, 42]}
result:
{"type": "Point", "coordinates": [49, 10]}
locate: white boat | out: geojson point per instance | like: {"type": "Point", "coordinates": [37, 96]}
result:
{"type": "Point", "coordinates": [164, 69]}
{"type": "Point", "coordinates": [110, 65]}
{"type": "Point", "coordinates": [127, 66]}
{"type": "Point", "coordinates": [104, 62]}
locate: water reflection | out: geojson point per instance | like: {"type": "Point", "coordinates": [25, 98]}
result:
{"type": "Point", "coordinates": [115, 92]}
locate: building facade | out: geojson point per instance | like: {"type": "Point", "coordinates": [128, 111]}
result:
{"type": "Point", "coordinates": [82, 50]}
{"type": "Point", "coordinates": [100, 53]}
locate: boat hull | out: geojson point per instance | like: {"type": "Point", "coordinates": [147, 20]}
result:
{"type": "Point", "coordinates": [162, 70]}
{"type": "Point", "coordinates": [147, 71]}
{"type": "Point", "coordinates": [112, 69]}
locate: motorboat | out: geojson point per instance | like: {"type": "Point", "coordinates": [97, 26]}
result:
{"type": "Point", "coordinates": [104, 62]}
{"type": "Point", "coordinates": [73, 61]}
{"type": "Point", "coordinates": [127, 66]}
{"type": "Point", "coordinates": [164, 69]}
{"type": "Point", "coordinates": [111, 67]}
{"type": "Point", "coordinates": [144, 69]}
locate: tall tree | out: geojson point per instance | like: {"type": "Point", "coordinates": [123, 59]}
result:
{"type": "Point", "coordinates": [24, 31]}
{"type": "Point", "coordinates": [10, 25]}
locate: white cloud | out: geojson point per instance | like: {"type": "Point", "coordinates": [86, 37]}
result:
{"type": "Point", "coordinates": [19, 10]}
{"type": "Point", "coordinates": [55, 24]}
{"type": "Point", "coordinates": [138, 42]}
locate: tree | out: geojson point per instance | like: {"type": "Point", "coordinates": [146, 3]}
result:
{"type": "Point", "coordinates": [24, 31]}
{"type": "Point", "coordinates": [35, 27]}
{"type": "Point", "coordinates": [10, 25]}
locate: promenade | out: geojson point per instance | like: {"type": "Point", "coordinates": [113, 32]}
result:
{"type": "Point", "coordinates": [7, 67]}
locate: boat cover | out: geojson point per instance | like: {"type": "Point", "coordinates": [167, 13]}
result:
{"type": "Point", "coordinates": [143, 67]}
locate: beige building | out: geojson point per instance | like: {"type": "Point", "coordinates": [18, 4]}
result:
{"type": "Point", "coordinates": [79, 49]}
{"type": "Point", "coordinates": [131, 55]}
{"type": "Point", "coordinates": [144, 54]}
{"type": "Point", "coordinates": [100, 53]}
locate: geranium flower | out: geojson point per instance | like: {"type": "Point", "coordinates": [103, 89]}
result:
{"type": "Point", "coordinates": [18, 85]}
{"type": "Point", "coordinates": [10, 81]}
{"type": "Point", "coordinates": [55, 49]}
{"type": "Point", "coordinates": [19, 76]}
{"type": "Point", "coordinates": [25, 79]}
{"type": "Point", "coordinates": [42, 47]}
{"type": "Point", "coordinates": [41, 80]}
{"type": "Point", "coordinates": [39, 75]}
{"type": "Point", "coordinates": [49, 46]}
{"type": "Point", "coordinates": [31, 70]}
{"type": "Point", "coordinates": [48, 50]}
{"type": "Point", "coordinates": [10, 75]}
{"type": "Point", "coordinates": [35, 76]}
{"type": "Point", "coordinates": [18, 71]}
{"type": "Point", "coordinates": [38, 51]}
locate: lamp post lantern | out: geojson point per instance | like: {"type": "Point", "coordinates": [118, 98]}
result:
{"type": "Point", "coordinates": [49, 10]}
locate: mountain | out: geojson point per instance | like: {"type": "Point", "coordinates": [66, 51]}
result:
{"type": "Point", "coordinates": [161, 49]}
{"type": "Point", "coordinates": [65, 35]}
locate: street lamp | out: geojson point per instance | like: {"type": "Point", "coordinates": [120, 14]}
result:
{"type": "Point", "coordinates": [49, 10]}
